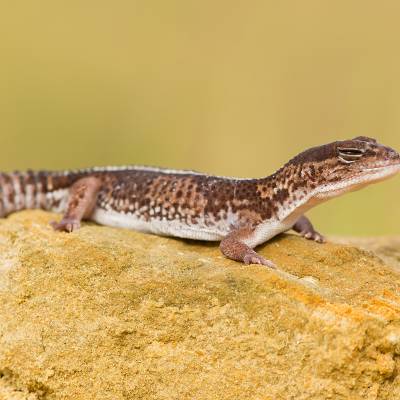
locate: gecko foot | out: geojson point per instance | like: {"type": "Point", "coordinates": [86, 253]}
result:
{"type": "Point", "coordinates": [304, 227]}
{"type": "Point", "coordinates": [66, 225]}
{"type": "Point", "coordinates": [254, 258]}
{"type": "Point", "coordinates": [313, 235]}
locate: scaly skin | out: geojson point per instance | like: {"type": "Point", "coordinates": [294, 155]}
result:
{"type": "Point", "coordinates": [240, 213]}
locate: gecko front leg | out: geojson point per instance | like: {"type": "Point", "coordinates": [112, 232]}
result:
{"type": "Point", "coordinates": [81, 202]}
{"type": "Point", "coordinates": [306, 229]}
{"type": "Point", "coordinates": [234, 247]}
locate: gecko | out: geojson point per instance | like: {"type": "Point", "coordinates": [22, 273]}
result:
{"type": "Point", "coordinates": [239, 213]}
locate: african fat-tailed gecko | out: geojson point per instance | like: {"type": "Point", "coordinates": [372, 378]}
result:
{"type": "Point", "coordinates": [240, 213]}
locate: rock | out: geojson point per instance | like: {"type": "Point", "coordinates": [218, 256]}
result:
{"type": "Point", "coordinates": [387, 248]}
{"type": "Point", "coordinates": [112, 314]}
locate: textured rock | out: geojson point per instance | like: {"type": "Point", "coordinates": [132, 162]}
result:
{"type": "Point", "coordinates": [111, 314]}
{"type": "Point", "coordinates": [387, 248]}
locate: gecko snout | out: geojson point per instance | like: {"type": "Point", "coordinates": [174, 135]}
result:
{"type": "Point", "coordinates": [393, 155]}
{"type": "Point", "coordinates": [386, 154]}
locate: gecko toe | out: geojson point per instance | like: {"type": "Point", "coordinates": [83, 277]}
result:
{"type": "Point", "coordinates": [269, 264]}
{"type": "Point", "coordinates": [66, 225]}
{"type": "Point", "coordinates": [313, 236]}
{"type": "Point", "coordinates": [320, 239]}
{"type": "Point", "coordinates": [257, 259]}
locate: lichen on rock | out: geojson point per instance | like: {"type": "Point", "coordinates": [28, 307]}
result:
{"type": "Point", "coordinates": [112, 314]}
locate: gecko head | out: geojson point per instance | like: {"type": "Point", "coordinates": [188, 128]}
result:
{"type": "Point", "coordinates": [339, 167]}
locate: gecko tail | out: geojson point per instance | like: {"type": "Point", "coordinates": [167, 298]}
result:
{"type": "Point", "coordinates": [44, 190]}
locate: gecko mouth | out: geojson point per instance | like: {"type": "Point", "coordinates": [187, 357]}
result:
{"type": "Point", "coordinates": [378, 172]}
{"type": "Point", "coordinates": [383, 167]}
{"type": "Point", "coordinates": [384, 170]}
{"type": "Point", "coordinates": [361, 179]}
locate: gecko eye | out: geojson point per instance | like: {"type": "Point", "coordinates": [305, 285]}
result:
{"type": "Point", "coordinates": [349, 155]}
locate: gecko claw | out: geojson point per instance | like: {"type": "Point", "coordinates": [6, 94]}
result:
{"type": "Point", "coordinates": [257, 259]}
{"type": "Point", "coordinates": [66, 225]}
{"type": "Point", "coordinates": [320, 239]}
{"type": "Point", "coordinates": [317, 237]}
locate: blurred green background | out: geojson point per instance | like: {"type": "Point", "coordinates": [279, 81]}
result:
{"type": "Point", "coordinates": [227, 87]}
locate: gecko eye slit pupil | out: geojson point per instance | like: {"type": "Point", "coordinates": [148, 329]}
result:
{"type": "Point", "coordinates": [349, 155]}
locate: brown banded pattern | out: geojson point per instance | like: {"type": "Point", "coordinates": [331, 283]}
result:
{"type": "Point", "coordinates": [28, 190]}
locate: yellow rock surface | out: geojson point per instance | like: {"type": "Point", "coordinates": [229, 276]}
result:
{"type": "Point", "coordinates": [112, 314]}
{"type": "Point", "coordinates": [388, 248]}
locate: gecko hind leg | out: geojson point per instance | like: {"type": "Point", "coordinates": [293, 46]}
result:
{"type": "Point", "coordinates": [81, 203]}
{"type": "Point", "coordinates": [305, 228]}
{"type": "Point", "coordinates": [234, 247]}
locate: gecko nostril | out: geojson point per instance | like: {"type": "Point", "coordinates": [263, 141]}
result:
{"type": "Point", "coordinates": [394, 155]}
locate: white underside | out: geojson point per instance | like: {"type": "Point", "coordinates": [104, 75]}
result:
{"type": "Point", "coordinates": [200, 231]}
{"type": "Point", "coordinates": [159, 227]}
{"type": "Point", "coordinates": [268, 230]}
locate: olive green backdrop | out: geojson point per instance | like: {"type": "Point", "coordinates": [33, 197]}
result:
{"type": "Point", "coordinates": [228, 87]}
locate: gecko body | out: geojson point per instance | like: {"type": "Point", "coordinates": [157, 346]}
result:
{"type": "Point", "coordinates": [240, 213]}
